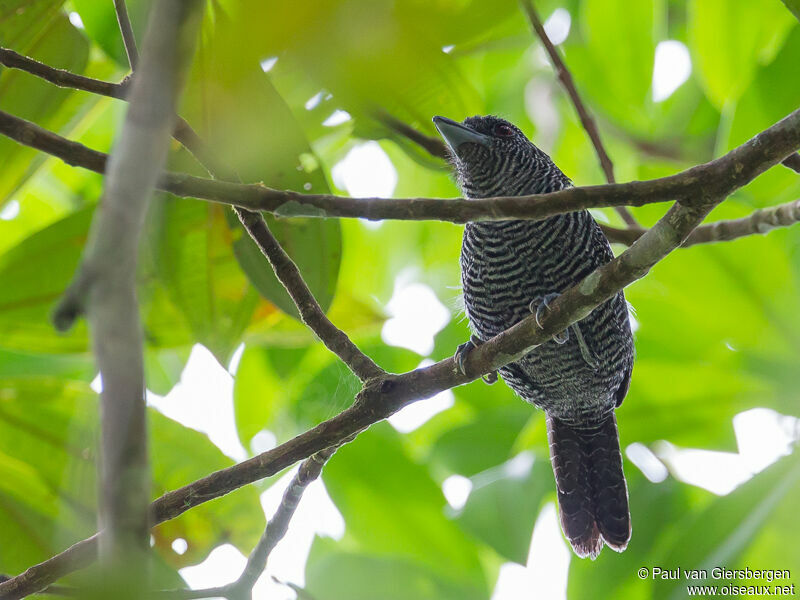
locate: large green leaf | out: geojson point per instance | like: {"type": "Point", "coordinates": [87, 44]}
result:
{"type": "Point", "coordinates": [334, 574]}
{"type": "Point", "coordinates": [601, 62]}
{"type": "Point", "coordinates": [195, 262]}
{"type": "Point", "coordinates": [392, 507]}
{"type": "Point", "coordinates": [100, 23]}
{"type": "Point", "coordinates": [40, 268]}
{"type": "Point", "coordinates": [502, 508]}
{"type": "Point", "coordinates": [728, 40]}
{"type": "Point", "coordinates": [247, 123]}
{"type": "Point", "coordinates": [59, 45]}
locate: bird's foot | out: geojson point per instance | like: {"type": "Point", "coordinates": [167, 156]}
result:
{"type": "Point", "coordinates": [461, 354]}
{"type": "Point", "coordinates": [586, 352]}
{"type": "Point", "coordinates": [538, 305]}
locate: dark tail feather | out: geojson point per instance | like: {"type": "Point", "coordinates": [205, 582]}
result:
{"type": "Point", "coordinates": [592, 494]}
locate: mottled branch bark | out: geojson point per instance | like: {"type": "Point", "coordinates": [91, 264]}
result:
{"type": "Point", "coordinates": [588, 122]}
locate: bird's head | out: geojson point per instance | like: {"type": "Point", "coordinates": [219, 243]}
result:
{"type": "Point", "coordinates": [492, 157]}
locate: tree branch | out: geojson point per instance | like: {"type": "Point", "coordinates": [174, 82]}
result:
{"type": "Point", "coordinates": [434, 146]}
{"type": "Point", "coordinates": [60, 77]}
{"type": "Point", "coordinates": [242, 588]}
{"type": "Point", "coordinates": [588, 122]}
{"type": "Point", "coordinates": [382, 397]}
{"type": "Point", "coordinates": [104, 287]}
{"type": "Point", "coordinates": [125, 28]}
{"type": "Point", "coordinates": [720, 176]}
{"type": "Point", "coordinates": [311, 313]}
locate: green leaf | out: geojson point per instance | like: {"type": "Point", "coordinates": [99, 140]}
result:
{"type": "Point", "coordinates": [41, 267]}
{"type": "Point", "coordinates": [483, 443]}
{"type": "Point", "coordinates": [730, 38]}
{"type": "Point", "coordinates": [23, 95]}
{"type": "Point", "coordinates": [332, 574]}
{"type": "Point", "coordinates": [243, 118]}
{"type": "Point", "coordinates": [100, 24]}
{"type": "Point", "coordinates": [180, 456]}
{"type": "Point", "coordinates": [603, 63]}
{"type": "Point", "coordinates": [502, 508]}
{"type": "Point", "coordinates": [392, 507]}
{"type": "Point", "coordinates": [196, 265]}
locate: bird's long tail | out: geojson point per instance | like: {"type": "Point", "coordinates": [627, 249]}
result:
{"type": "Point", "coordinates": [592, 494]}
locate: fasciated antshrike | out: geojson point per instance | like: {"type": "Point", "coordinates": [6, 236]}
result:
{"type": "Point", "coordinates": [510, 268]}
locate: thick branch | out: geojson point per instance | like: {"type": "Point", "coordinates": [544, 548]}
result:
{"type": "Point", "coordinates": [588, 122]}
{"type": "Point", "coordinates": [104, 287]}
{"type": "Point", "coordinates": [718, 177]}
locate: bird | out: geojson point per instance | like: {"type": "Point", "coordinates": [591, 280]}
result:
{"type": "Point", "coordinates": [579, 377]}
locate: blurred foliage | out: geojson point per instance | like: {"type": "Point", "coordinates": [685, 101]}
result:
{"type": "Point", "coordinates": [718, 326]}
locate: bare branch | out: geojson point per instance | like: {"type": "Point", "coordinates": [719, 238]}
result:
{"type": "Point", "coordinates": [588, 122]}
{"type": "Point", "coordinates": [336, 340]}
{"type": "Point", "coordinates": [309, 470]}
{"type": "Point", "coordinates": [720, 176]}
{"type": "Point", "coordinates": [760, 221]}
{"type": "Point", "coordinates": [127, 33]}
{"type": "Point", "coordinates": [60, 77]}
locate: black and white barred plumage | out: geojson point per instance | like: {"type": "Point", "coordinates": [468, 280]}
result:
{"type": "Point", "coordinates": [507, 264]}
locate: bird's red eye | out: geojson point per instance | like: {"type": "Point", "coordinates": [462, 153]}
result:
{"type": "Point", "coordinates": [503, 130]}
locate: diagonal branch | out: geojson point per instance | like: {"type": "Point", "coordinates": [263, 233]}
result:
{"type": "Point", "coordinates": [588, 122]}
{"type": "Point", "coordinates": [310, 311]}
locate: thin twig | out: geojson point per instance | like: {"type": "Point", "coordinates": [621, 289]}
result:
{"type": "Point", "coordinates": [310, 311]}
{"type": "Point", "coordinates": [128, 39]}
{"type": "Point", "coordinates": [434, 146]}
{"type": "Point", "coordinates": [276, 528]}
{"type": "Point", "coordinates": [381, 398]}
{"type": "Point", "coordinates": [60, 77]}
{"type": "Point", "coordinates": [588, 122]}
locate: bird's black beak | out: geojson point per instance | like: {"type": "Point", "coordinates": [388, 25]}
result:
{"type": "Point", "coordinates": [456, 134]}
